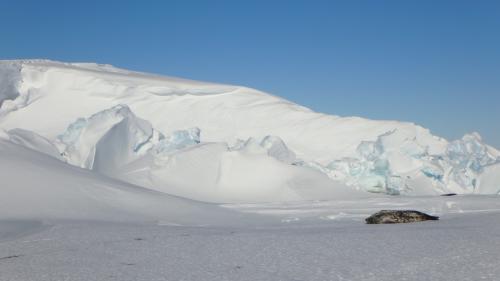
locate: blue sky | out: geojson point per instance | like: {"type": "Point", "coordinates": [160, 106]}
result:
{"type": "Point", "coordinates": [435, 63]}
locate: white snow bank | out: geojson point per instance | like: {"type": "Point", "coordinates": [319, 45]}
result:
{"type": "Point", "coordinates": [32, 141]}
{"type": "Point", "coordinates": [212, 172]}
{"type": "Point", "coordinates": [36, 186]}
{"type": "Point", "coordinates": [116, 143]}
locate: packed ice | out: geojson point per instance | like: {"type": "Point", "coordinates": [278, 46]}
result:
{"type": "Point", "coordinates": [177, 140]}
{"type": "Point", "coordinates": [391, 163]}
{"type": "Point", "coordinates": [111, 137]}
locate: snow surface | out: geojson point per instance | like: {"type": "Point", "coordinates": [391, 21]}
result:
{"type": "Point", "coordinates": [35, 186]}
{"type": "Point", "coordinates": [457, 248]}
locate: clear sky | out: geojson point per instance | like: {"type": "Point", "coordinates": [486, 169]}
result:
{"type": "Point", "coordinates": [435, 63]}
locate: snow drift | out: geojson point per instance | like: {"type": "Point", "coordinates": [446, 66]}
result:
{"type": "Point", "coordinates": [36, 186]}
{"type": "Point", "coordinates": [116, 143]}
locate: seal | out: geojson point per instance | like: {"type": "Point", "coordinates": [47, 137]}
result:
{"type": "Point", "coordinates": [449, 194]}
{"type": "Point", "coordinates": [398, 216]}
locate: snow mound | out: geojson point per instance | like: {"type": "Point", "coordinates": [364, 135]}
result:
{"type": "Point", "coordinates": [116, 143]}
{"type": "Point", "coordinates": [36, 186]}
{"type": "Point", "coordinates": [212, 172]}
{"type": "Point", "coordinates": [32, 141]}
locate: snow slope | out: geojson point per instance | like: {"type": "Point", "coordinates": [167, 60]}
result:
{"type": "Point", "coordinates": [210, 172]}
{"type": "Point", "coordinates": [62, 93]}
{"type": "Point", "coordinates": [222, 143]}
{"type": "Point", "coordinates": [35, 186]}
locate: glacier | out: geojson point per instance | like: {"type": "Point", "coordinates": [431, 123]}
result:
{"type": "Point", "coordinates": [223, 143]}
{"type": "Point", "coordinates": [117, 143]}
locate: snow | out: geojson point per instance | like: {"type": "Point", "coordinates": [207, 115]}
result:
{"type": "Point", "coordinates": [9, 79]}
{"type": "Point", "coordinates": [104, 118]}
{"type": "Point", "coordinates": [32, 141]}
{"type": "Point", "coordinates": [277, 148]}
{"type": "Point", "coordinates": [214, 173]}
{"type": "Point", "coordinates": [116, 143]}
{"type": "Point", "coordinates": [110, 174]}
{"type": "Point", "coordinates": [318, 241]}
{"type": "Point", "coordinates": [36, 186]}
{"type": "Point", "coordinates": [59, 222]}
{"type": "Point", "coordinates": [222, 112]}
{"type": "Point", "coordinates": [341, 251]}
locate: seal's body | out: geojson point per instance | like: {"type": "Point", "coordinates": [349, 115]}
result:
{"type": "Point", "coordinates": [394, 216]}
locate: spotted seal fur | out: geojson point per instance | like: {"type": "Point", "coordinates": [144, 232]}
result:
{"type": "Point", "coordinates": [398, 216]}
